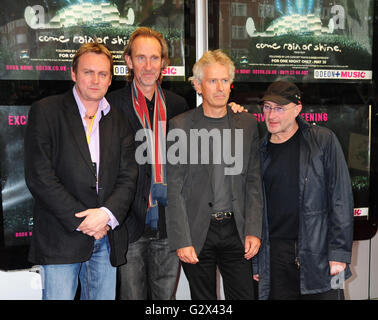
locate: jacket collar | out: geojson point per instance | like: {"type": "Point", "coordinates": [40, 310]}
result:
{"type": "Point", "coordinates": [304, 127]}
{"type": "Point", "coordinates": [103, 106]}
{"type": "Point", "coordinates": [302, 123]}
{"type": "Point", "coordinates": [75, 122]}
{"type": "Point", "coordinates": [233, 118]}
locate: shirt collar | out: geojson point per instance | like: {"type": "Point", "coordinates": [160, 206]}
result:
{"type": "Point", "coordinates": [103, 106]}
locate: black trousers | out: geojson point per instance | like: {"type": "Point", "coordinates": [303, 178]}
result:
{"type": "Point", "coordinates": [224, 249]}
{"type": "Point", "coordinates": [284, 275]}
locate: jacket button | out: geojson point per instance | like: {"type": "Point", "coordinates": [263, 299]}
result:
{"type": "Point", "coordinates": [210, 204]}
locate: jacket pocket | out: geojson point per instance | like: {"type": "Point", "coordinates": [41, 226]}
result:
{"type": "Point", "coordinates": [315, 230]}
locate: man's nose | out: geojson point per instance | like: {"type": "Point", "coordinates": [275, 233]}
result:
{"type": "Point", "coordinates": [95, 78]}
{"type": "Point", "coordinates": [271, 114]}
{"type": "Point", "coordinates": [148, 64]}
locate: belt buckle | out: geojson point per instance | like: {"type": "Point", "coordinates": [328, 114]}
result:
{"type": "Point", "coordinates": [219, 216]}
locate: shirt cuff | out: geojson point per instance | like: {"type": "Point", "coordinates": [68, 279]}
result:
{"type": "Point", "coordinates": [113, 223]}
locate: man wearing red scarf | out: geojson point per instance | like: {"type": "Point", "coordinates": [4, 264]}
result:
{"type": "Point", "coordinates": [151, 269]}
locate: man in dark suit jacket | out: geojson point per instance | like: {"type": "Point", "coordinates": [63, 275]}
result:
{"type": "Point", "coordinates": [81, 171]}
{"type": "Point", "coordinates": [151, 269]}
{"type": "Point", "coordinates": [214, 212]}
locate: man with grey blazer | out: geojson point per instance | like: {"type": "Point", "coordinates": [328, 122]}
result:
{"type": "Point", "coordinates": [215, 202]}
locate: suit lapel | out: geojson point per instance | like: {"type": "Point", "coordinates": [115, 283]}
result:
{"type": "Point", "coordinates": [233, 120]}
{"type": "Point", "coordinates": [127, 107]}
{"type": "Point", "coordinates": [196, 124]}
{"type": "Point", "coordinates": [105, 140]}
{"type": "Point", "coordinates": [264, 158]}
{"type": "Point", "coordinates": [75, 122]}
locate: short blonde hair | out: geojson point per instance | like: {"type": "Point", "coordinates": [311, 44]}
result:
{"type": "Point", "coordinates": [211, 57]}
{"type": "Point", "coordinates": [146, 33]}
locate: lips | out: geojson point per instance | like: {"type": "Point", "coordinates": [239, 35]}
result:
{"type": "Point", "coordinates": [272, 124]}
{"type": "Point", "coordinates": [149, 74]}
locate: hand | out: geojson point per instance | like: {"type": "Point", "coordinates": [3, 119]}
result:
{"type": "Point", "coordinates": [256, 277]}
{"type": "Point", "coordinates": [187, 255]}
{"type": "Point", "coordinates": [95, 221]}
{"type": "Point", "coordinates": [336, 267]}
{"type": "Point", "coordinates": [102, 233]}
{"type": "Point", "coordinates": [252, 246]}
{"type": "Point", "coordinates": [237, 107]}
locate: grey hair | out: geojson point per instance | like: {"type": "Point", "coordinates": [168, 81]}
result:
{"type": "Point", "coordinates": [211, 57]}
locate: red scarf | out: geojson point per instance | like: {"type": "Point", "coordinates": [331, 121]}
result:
{"type": "Point", "coordinates": [156, 145]}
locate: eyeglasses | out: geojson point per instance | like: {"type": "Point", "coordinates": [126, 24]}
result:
{"type": "Point", "coordinates": [279, 110]}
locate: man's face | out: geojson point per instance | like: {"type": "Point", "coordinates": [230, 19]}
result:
{"type": "Point", "coordinates": [92, 77]}
{"type": "Point", "coordinates": [146, 61]}
{"type": "Point", "coordinates": [282, 119]}
{"type": "Point", "coordinates": [215, 86]}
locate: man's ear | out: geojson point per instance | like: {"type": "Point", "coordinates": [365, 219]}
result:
{"type": "Point", "coordinates": [299, 108]}
{"type": "Point", "coordinates": [197, 86]}
{"type": "Point", "coordinates": [73, 76]}
{"type": "Point", "coordinates": [129, 62]}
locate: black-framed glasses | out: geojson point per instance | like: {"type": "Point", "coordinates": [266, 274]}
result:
{"type": "Point", "coordinates": [279, 109]}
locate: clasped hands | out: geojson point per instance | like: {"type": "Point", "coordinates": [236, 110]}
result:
{"type": "Point", "coordinates": [95, 223]}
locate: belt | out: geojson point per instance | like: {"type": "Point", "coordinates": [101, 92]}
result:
{"type": "Point", "coordinates": [219, 216]}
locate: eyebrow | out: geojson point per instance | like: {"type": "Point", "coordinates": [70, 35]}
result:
{"type": "Point", "coordinates": [96, 71]}
{"type": "Point", "coordinates": [144, 55]}
{"type": "Point", "coordinates": [221, 79]}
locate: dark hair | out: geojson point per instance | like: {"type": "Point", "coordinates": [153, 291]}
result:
{"type": "Point", "coordinates": [147, 33]}
{"type": "Point", "coordinates": [93, 47]}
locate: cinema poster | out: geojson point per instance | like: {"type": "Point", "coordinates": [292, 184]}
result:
{"type": "Point", "coordinates": [39, 38]}
{"type": "Point", "coordinates": [16, 200]}
{"type": "Point", "coordinates": [304, 40]}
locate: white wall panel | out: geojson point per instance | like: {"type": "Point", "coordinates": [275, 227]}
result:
{"type": "Point", "coordinates": [357, 287]}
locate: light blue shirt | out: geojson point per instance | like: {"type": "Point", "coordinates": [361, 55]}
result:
{"type": "Point", "coordinates": [94, 141]}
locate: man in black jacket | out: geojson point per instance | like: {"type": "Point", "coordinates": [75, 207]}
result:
{"type": "Point", "coordinates": [308, 221]}
{"type": "Point", "coordinates": [81, 171]}
{"type": "Point", "coordinates": [151, 269]}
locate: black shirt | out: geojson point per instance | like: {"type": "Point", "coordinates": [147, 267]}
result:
{"type": "Point", "coordinates": [221, 183]}
{"type": "Point", "coordinates": [281, 179]}
{"type": "Point", "coordinates": [151, 107]}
